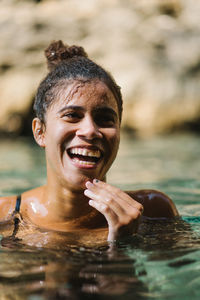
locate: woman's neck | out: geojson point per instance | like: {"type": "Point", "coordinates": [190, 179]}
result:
{"type": "Point", "coordinates": [66, 204]}
{"type": "Point", "coordinates": [60, 209]}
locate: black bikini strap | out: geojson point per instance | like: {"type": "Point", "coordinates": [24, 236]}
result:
{"type": "Point", "coordinates": [18, 203]}
{"type": "Point", "coordinates": [17, 215]}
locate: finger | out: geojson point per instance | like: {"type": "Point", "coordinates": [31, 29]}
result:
{"type": "Point", "coordinates": [116, 226]}
{"type": "Point", "coordinates": [105, 210]}
{"type": "Point", "coordinates": [102, 191]}
{"type": "Point", "coordinates": [123, 217]}
{"type": "Point", "coordinates": [111, 218]}
{"type": "Point", "coordinates": [123, 195]}
{"type": "Point", "coordinates": [108, 200]}
{"type": "Point", "coordinates": [94, 195]}
{"type": "Point", "coordinates": [118, 204]}
{"type": "Point", "coordinates": [123, 198]}
{"type": "Point", "coordinates": [116, 190]}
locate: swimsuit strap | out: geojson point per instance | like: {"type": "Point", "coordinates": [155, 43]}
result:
{"type": "Point", "coordinates": [18, 203]}
{"type": "Point", "coordinates": [17, 215]}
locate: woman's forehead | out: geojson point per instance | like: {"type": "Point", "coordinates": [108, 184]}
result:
{"type": "Point", "coordinates": [94, 91]}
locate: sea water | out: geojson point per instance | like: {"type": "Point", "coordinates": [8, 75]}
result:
{"type": "Point", "coordinates": [163, 263]}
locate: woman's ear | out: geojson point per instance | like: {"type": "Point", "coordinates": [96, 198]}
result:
{"type": "Point", "coordinates": [39, 132]}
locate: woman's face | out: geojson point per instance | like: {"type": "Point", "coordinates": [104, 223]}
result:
{"type": "Point", "coordinates": [82, 133]}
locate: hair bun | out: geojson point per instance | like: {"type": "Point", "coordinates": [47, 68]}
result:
{"type": "Point", "coordinates": [57, 52]}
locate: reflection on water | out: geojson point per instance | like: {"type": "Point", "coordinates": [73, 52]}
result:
{"type": "Point", "coordinates": [162, 263]}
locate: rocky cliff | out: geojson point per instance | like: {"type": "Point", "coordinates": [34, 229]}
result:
{"type": "Point", "coordinates": [150, 46]}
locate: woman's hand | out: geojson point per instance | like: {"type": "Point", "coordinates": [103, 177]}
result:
{"type": "Point", "coordinates": [120, 210]}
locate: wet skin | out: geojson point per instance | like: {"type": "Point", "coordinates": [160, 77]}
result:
{"type": "Point", "coordinates": [81, 137]}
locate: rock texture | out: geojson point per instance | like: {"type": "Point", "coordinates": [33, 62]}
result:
{"type": "Point", "coordinates": [150, 46]}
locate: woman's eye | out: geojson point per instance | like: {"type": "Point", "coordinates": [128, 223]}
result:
{"type": "Point", "coordinates": [72, 116]}
{"type": "Point", "coordinates": [105, 120]}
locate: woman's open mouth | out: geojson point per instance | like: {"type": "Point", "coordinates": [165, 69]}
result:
{"type": "Point", "coordinates": [84, 157]}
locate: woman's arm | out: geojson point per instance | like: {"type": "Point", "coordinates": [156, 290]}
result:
{"type": "Point", "coordinates": [156, 204]}
{"type": "Point", "coordinates": [123, 210]}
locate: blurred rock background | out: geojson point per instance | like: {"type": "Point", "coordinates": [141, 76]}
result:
{"type": "Point", "coordinates": [152, 47]}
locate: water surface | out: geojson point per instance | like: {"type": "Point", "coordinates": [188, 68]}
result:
{"type": "Point", "coordinates": [164, 263]}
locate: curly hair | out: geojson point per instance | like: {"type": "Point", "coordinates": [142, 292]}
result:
{"type": "Point", "coordinates": [70, 63]}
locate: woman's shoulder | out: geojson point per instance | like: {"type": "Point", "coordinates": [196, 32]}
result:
{"type": "Point", "coordinates": [8, 204]}
{"type": "Point", "coordinates": [156, 204]}
{"type": "Point", "coordinates": [35, 192]}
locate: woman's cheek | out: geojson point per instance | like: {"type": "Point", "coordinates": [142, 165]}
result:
{"type": "Point", "coordinates": [114, 139]}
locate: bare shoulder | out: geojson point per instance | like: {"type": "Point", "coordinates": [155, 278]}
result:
{"type": "Point", "coordinates": [156, 204]}
{"type": "Point", "coordinates": [29, 196]}
{"type": "Point", "coordinates": [7, 206]}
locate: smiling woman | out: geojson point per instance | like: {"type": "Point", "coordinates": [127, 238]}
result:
{"type": "Point", "coordinates": [78, 110]}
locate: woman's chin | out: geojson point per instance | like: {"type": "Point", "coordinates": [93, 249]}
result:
{"type": "Point", "coordinates": [78, 183]}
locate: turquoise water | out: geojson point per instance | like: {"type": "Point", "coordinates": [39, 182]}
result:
{"type": "Point", "coordinates": [163, 263]}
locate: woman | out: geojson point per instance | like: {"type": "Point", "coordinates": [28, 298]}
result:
{"type": "Point", "coordinates": [78, 110]}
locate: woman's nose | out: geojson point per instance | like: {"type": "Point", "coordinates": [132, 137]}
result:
{"type": "Point", "coordinates": [88, 129]}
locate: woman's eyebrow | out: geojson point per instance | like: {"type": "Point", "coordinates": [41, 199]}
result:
{"type": "Point", "coordinates": [74, 107]}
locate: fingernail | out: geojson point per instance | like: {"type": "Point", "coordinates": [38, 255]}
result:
{"type": "Point", "coordinates": [88, 184]}
{"type": "Point", "coordinates": [86, 193]}
{"type": "Point", "coordinates": [90, 202]}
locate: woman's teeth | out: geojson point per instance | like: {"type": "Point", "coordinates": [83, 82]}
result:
{"type": "Point", "coordinates": [84, 156]}
{"type": "Point", "coordinates": [84, 162]}
{"type": "Point", "coordinates": [85, 152]}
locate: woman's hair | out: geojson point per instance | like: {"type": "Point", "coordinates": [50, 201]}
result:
{"type": "Point", "coordinates": [69, 63]}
